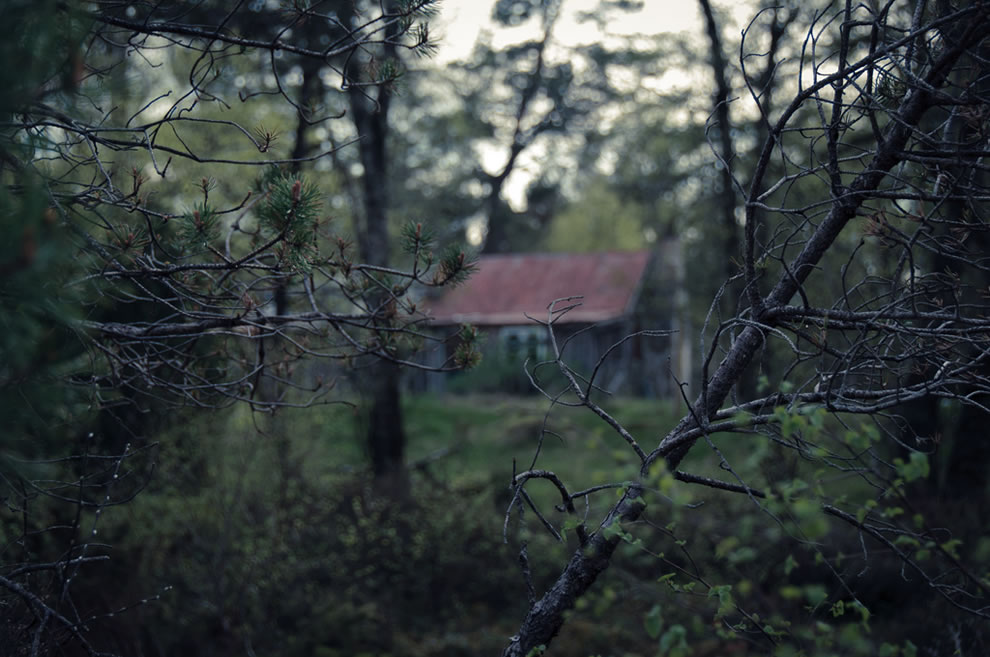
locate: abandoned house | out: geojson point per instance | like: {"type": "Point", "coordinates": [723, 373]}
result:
{"type": "Point", "coordinates": [621, 293]}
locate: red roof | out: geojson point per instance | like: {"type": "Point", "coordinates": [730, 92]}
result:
{"type": "Point", "coordinates": [508, 287]}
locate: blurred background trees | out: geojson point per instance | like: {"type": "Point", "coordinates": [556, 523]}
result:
{"type": "Point", "coordinates": [830, 321]}
{"type": "Point", "coordinates": [169, 252]}
{"type": "Point", "coordinates": [215, 203]}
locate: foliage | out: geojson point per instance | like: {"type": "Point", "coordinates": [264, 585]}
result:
{"type": "Point", "coordinates": [290, 213]}
{"type": "Point", "coordinates": [801, 505]}
{"type": "Point", "coordinates": [125, 295]}
{"type": "Point", "coordinates": [207, 278]}
{"type": "Point", "coordinates": [841, 360]}
{"type": "Point", "coordinates": [276, 537]}
{"type": "Point", "coordinates": [261, 544]}
{"type": "Point", "coordinates": [601, 220]}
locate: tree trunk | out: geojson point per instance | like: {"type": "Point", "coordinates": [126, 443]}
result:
{"type": "Point", "coordinates": [386, 437]}
{"type": "Point", "coordinates": [497, 211]}
{"type": "Point", "coordinates": [732, 253]}
{"type": "Point", "coordinates": [962, 453]}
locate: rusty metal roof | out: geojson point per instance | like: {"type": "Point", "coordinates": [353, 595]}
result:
{"type": "Point", "coordinates": [508, 287]}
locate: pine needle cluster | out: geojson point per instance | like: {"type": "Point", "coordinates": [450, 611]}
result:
{"type": "Point", "coordinates": [199, 227]}
{"type": "Point", "coordinates": [291, 213]}
{"type": "Point", "coordinates": [454, 265]}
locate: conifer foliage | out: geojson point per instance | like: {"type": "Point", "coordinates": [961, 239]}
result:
{"type": "Point", "coordinates": [183, 262]}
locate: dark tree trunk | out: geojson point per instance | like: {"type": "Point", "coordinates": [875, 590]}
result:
{"type": "Point", "coordinates": [386, 438]}
{"type": "Point", "coordinates": [726, 196]}
{"type": "Point", "coordinates": [271, 391]}
{"type": "Point", "coordinates": [962, 453]}
{"type": "Point", "coordinates": [497, 212]}
{"type": "Point", "coordinates": [731, 255]}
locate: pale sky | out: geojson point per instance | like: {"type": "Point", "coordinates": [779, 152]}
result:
{"type": "Point", "coordinates": [461, 21]}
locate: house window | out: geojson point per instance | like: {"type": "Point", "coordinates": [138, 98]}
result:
{"type": "Point", "coordinates": [512, 346]}
{"type": "Point", "coordinates": [522, 343]}
{"type": "Point", "coordinates": [533, 347]}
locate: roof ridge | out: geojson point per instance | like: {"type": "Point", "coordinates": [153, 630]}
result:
{"type": "Point", "coordinates": [508, 286]}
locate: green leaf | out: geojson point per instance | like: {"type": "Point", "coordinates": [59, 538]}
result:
{"type": "Point", "coordinates": [952, 547]}
{"type": "Point", "coordinates": [857, 440]}
{"type": "Point", "coordinates": [742, 419]}
{"type": "Point", "coordinates": [742, 555]}
{"type": "Point", "coordinates": [725, 546]}
{"type": "Point", "coordinates": [864, 613]}
{"type": "Point", "coordinates": [813, 522]}
{"type": "Point", "coordinates": [725, 601]}
{"type": "Point", "coordinates": [772, 631]}
{"type": "Point", "coordinates": [673, 643]}
{"type": "Point", "coordinates": [907, 541]}
{"type": "Point", "coordinates": [790, 592]}
{"type": "Point", "coordinates": [790, 563]}
{"type": "Point", "coordinates": [815, 594]}
{"type": "Point", "coordinates": [653, 622]}
{"type": "Point", "coordinates": [915, 468]}
{"type": "Point", "coordinates": [719, 590]}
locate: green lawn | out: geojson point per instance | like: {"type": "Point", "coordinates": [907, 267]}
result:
{"type": "Point", "coordinates": [472, 440]}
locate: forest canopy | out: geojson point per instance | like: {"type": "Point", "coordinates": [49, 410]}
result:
{"type": "Point", "coordinates": [226, 223]}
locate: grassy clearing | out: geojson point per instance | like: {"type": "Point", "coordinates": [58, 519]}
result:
{"type": "Point", "coordinates": [472, 440]}
{"type": "Point", "coordinates": [469, 444]}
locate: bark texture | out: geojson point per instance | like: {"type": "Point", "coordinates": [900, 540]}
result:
{"type": "Point", "coordinates": [546, 616]}
{"type": "Point", "coordinates": [386, 438]}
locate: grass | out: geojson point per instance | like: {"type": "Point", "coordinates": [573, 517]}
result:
{"type": "Point", "coordinates": [467, 445]}
{"type": "Point", "coordinates": [471, 444]}
{"type": "Point", "coordinates": [471, 441]}
{"type": "Point", "coordinates": [487, 429]}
